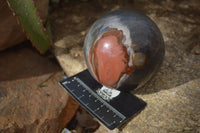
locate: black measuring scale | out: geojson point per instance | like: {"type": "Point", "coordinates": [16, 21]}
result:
{"type": "Point", "coordinates": [111, 107]}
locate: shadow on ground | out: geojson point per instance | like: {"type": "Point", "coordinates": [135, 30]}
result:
{"type": "Point", "coordinates": [23, 61]}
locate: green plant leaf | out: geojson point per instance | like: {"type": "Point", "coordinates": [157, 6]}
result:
{"type": "Point", "coordinates": [26, 12]}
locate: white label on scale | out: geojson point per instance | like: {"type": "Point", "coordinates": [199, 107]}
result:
{"type": "Point", "coordinates": [107, 93]}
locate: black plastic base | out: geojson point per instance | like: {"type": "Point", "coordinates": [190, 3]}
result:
{"type": "Point", "coordinates": [111, 107]}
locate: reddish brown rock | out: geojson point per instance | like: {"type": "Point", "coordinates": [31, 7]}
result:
{"type": "Point", "coordinates": [31, 100]}
{"type": "Point", "coordinates": [109, 58]}
{"type": "Point", "coordinates": [32, 105]}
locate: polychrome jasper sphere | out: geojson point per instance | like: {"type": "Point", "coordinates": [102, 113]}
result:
{"type": "Point", "coordinates": [124, 49]}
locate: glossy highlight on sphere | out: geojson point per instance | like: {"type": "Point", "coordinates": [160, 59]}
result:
{"type": "Point", "coordinates": [109, 58]}
{"type": "Point", "coordinates": [124, 49]}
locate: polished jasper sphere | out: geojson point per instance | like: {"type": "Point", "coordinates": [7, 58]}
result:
{"type": "Point", "coordinates": [124, 49]}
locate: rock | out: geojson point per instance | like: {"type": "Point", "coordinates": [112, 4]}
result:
{"type": "Point", "coordinates": [172, 94]}
{"type": "Point", "coordinates": [124, 49]}
{"type": "Point", "coordinates": [172, 110]}
{"type": "Point", "coordinates": [71, 61]}
{"type": "Point", "coordinates": [10, 28]}
{"type": "Point", "coordinates": [31, 100]}
{"type": "Point", "coordinates": [31, 107]}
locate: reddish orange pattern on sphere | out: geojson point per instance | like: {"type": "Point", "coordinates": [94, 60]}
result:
{"type": "Point", "coordinates": [109, 58]}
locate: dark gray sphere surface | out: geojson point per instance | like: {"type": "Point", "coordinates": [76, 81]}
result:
{"type": "Point", "coordinates": [124, 49]}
